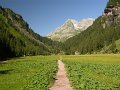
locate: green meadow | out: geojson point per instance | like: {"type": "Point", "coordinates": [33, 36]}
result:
{"type": "Point", "coordinates": [94, 72]}
{"type": "Point", "coordinates": [28, 73]}
{"type": "Point", "coordinates": [85, 72]}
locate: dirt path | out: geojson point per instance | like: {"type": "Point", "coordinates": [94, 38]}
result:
{"type": "Point", "coordinates": [62, 81]}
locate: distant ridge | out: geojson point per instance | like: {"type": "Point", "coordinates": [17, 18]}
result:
{"type": "Point", "coordinates": [69, 29]}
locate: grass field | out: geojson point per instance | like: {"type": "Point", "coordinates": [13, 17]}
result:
{"type": "Point", "coordinates": [28, 73]}
{"type": "Point", "coordinates": [86, 72]}
{"type": "Point", "coordinates": [94, 72]}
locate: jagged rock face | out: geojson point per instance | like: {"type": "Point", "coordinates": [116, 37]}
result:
{"type": "Point", "coordinates": [111, 15]}
{"type": "Point", "coordinates": [69, 29]}
{"type": "Point", "coordinates": [85, 23]}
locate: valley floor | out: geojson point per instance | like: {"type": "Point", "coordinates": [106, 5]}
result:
{"type": "Point", "coordinates": [83, 72]}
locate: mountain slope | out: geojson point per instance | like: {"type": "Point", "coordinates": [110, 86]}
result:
{"type": "Point", "coordinates": [17, 39]}
{"type": "Point", "coordinates": [103, 32]}
{"type": "Point", "coordinates": [69, 29]}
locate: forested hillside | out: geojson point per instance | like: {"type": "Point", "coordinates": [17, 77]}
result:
{"type": "Point", "coordinates": [104, 32]}
{"type": "Point", "coordinates": [17, 39]}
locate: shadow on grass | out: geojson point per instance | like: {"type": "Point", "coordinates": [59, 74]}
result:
{"type": "Point", "coordinates": [2, 60]}
{"type": "Point", "coordinates": [5, 71]}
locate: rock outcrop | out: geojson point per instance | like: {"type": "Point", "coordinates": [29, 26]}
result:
{"type": "Point", "coordinates": [111, 15]}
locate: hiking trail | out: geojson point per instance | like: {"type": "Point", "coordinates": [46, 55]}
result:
{"type": "Point", "coordinates": [62, 81]}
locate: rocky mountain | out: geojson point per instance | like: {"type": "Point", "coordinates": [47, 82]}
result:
{"type": "Point", "coordinates": [69, 29]}
{"type": "Point", "coordinates": [17, 39]}
{"type": "Point", "coordinates": [102, 36]}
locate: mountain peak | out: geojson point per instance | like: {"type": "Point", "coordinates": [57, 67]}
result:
{"type": "Point", "coordinates": [70, 28]}
{"type": "Point", "coordinates": [72, 20]}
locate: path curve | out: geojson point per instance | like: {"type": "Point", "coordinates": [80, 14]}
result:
{"type": "Point", "coordinates": [62, 81]}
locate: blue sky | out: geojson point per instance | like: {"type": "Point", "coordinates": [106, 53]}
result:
{"type": "Point", "coordinates": [44, 16]}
